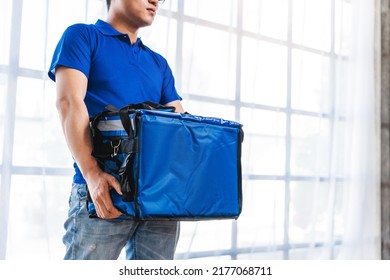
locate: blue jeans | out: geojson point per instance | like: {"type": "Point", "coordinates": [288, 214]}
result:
{"type": "Point", "coordinates": [94, 239]}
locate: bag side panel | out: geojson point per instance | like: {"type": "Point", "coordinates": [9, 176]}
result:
{"type": "Point", "coordinates": [110, 134]}
{"type": "Point", "coordinates": [188, 169]}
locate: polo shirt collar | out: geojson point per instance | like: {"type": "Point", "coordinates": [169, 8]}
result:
{"type": "Point", "coordinates": [107, 29]}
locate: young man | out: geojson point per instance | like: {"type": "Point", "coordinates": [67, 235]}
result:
{"type": "Point", "coordinates": [93, 66]}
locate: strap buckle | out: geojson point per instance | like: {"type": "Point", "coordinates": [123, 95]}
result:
{"type": "Point", "coordinates": [115, 148]}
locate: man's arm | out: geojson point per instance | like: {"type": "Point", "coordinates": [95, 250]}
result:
{"type": "Point", "coordinates": [71, 89]}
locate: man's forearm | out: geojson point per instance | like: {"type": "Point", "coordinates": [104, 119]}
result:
{"type": "Point", "coordinates": [75, 123]}
{"type": "Point", "coordinates": [74, 117]}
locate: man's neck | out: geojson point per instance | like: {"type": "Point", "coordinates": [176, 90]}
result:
{"type": "Point", "coordinates": [119, 26]}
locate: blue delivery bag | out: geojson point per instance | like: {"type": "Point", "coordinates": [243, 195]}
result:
{"type": "Point", "coordinates": [171, 166]}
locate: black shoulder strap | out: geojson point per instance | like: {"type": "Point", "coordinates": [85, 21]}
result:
{"type": "Point", "coordinates": [126, 122]}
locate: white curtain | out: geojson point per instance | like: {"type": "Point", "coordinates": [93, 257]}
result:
{"type": "Point", "coordinates": [351, 201]}
{"type": "Point", "coordinates": [361, 209]}
{"type": "Point", "coordinates": [298, 74]}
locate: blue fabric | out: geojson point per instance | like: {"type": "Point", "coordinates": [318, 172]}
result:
{"type": "Point", "coordinates": [118, 73]}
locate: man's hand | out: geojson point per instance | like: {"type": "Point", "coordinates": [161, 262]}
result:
{"type": "Point", "coordinates": [99, 186]}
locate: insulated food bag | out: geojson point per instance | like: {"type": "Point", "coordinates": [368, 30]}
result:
{"type": "Point", "coordinates": [170, 165]}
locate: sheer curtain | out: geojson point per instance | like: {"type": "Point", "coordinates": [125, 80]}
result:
{"type": "Point", "coordinates": [341, 205]}
{"type": "Point", "coordinates": [361, 195]}
{"type": "Point", "coordinates": [298, 74]}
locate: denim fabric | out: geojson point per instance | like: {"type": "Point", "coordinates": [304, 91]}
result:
{"type": "Point", "coordinates": [94, 239]}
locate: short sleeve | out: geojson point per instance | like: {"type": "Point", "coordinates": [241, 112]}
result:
{"type": "Point", "coordinates": [73, 51]}
{"type": "Point", "coordinates": [169, 92]}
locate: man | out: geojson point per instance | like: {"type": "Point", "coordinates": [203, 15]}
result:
{"type": "Point", "coordinates": [93, 66]}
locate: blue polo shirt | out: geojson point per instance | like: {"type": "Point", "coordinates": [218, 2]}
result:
{"type": "Point", "coordinates": [118, 72]}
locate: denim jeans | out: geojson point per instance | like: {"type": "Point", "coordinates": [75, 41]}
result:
{"type": "Point", "coordinates": [94, 238]}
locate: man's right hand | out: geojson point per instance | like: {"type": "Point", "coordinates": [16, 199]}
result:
{"type": "Point", "coordinates": [99, 186]}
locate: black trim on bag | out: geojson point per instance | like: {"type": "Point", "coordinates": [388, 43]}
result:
{"type": "Point", "coordinates": [138, 119]}
{"type": "Point", "coordinates": [239, 169]}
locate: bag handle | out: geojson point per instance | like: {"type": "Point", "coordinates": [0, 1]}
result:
{"type": "Point", "coordinates": [147, 105]}
{"type": "Point", "coordinates": [131, 108]}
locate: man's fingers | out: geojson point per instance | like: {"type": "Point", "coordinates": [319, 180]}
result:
{"type": "Point", "coordinates": [115, 185]}
{"type": "Point", "coordinates": [109, 209]}
{"type": "Point", "coordinates": [106, 211]}
{"type": "Point", "coordinates": [104, 206]}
